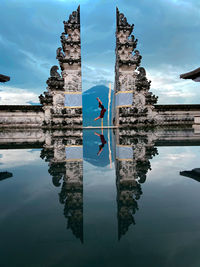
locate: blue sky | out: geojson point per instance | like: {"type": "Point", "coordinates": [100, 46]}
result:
{"type": "Point", "coordinates": [167, 32]}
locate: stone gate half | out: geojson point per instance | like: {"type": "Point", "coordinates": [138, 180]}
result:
{"type": "Point", "coordinates": [133, 103]}
{"type": "Point", "coordinates": [63, 101]}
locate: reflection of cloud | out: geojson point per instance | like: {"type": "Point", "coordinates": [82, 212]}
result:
{"type": "Point", "coordinates": [178, 157]}
{"type": "Point", "coordinates": [18, 157]}
{"type": "Point", "coordinates": [98, 176]}
{"type": "Point", "coordinates": [16, 96]}
{"type": "Point", "coordinates": [171, 164]}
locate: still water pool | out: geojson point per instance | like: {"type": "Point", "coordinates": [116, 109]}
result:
{"type": "Point", "coordinates": [106, 200]}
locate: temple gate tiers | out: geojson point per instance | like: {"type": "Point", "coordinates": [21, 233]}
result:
{"type": "Point", "coordinates": [133, 102]}
{"type": "Point", "coordinates": [62, 103]}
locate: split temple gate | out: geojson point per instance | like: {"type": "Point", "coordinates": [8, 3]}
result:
{"type": "Point", "coordinates": [61, 104]}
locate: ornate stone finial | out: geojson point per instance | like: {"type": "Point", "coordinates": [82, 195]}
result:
{"type": "Point", "coordinates": [122, 23]}
{"type": "Point", "coordinates": [54, 72]}
{"type": "Point", "coordinates": [73, 21]}
{"type": "Point", "coordinates": [142, 73]}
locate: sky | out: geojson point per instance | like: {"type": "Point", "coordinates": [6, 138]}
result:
{"type": "Point", "coordinates": [167, 33]}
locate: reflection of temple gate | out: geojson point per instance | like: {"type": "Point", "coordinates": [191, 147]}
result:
{"type": "Point", "coordinates": [63, 152]}
{"type": "Point", "coordinates": [132, 164]}
{"type": "Point", "coordinates": [65, 156]}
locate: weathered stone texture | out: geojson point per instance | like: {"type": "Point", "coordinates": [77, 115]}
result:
{"type": "Point", "coordinates": [129, 77]}
{"type": "Point", "coordinates": [57, 112]}
{"type": "Point", "coordinates": [21, 116]}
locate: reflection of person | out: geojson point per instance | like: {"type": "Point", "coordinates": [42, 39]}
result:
{"type": "Point", "coordinates": [103, 110]}
{"type": "Point", "coordinates": [103, 142]}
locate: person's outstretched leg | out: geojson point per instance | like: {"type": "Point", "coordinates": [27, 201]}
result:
{"type": "Point", "coordinates": [97, 118]}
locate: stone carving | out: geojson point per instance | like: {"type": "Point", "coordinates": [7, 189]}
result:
{"type": "Point", "coordinates": [74, 19]}
{"type": "Point", "coordinates": [69, 57]}
{"type": "Point", "coordinates": [137, 58]}
{"type": "Point", "coordinates": [59, 54]}
{"type": "Point", "coordinates": [141, 82]}
{"type": "Point", "coordinates": [122, 21]}
{"type": "Point", "coordinates": [129, 76]}
{"type": "Point", "coordinates": [54, 72]}
{"type": "Point", "coordinates": [63, 39]}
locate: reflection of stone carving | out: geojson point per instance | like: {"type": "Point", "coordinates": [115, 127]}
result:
{"type": "Point", "coordinates": [67, 172]}
{"type": "Point", "coordinates": [5, 175]}
{"type": "Point", "coordinates": [194, 174]}
{"type": "Point", "coordinates": [133, 153]}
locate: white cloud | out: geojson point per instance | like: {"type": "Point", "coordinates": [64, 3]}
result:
{"type": "Point", "coordinates": [96, 76]}
{"type": "Point", "coordinates": [167, 84]}
{"type": "Point", "coordinates": [36, 63]}
{"type": "Point", "coordinates": [16, 96]}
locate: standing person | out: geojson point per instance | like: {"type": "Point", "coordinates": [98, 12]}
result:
{"type": "Point", "coordinates": [103, 110]}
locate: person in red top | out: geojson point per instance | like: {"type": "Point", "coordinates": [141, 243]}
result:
{"type": "Point", "coordinates": [103, 110]}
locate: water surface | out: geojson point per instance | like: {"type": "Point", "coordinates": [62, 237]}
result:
{"type": "Point", "coordinates": [123, 203]}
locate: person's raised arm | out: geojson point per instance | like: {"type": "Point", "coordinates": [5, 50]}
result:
{"type": "Point", "coordinates": [97, 134]}
{"type": "Point", "coordinates": [99, 100]}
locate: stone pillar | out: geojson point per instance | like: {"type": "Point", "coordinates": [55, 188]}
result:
{"type": "Point", "coordinates": [133, 103]}
{"type": "Point", "coordinates": [69, 57]}
{"type": "Point", "coordinates": [62, 103]}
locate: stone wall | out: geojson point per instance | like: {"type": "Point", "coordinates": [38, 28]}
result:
{"type": "Point", "coordinates": [21, 116]}
{"type": "Point", "coordinates": [161, 115]}
{"type": "Point", "coordinates": [175, 114]}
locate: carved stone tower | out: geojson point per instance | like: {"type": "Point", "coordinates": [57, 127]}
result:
{"type": "Point", "coordinates": [63, 101]}
{"type": "Point", "coordinates": [133, 102]}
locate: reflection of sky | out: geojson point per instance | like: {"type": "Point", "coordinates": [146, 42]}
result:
{"type": "Point", "coordinates": [18, 157]}
{"type": "Point", "coordinates": [166, 233]}
{"type": "Point", "coordinates": [91, 147]}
